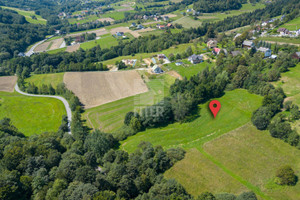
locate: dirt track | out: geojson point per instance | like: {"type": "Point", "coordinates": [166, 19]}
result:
{"type": "Point", "coordinates": [7, 83]}
{"type": "Point", "coordinates": [97, 88]}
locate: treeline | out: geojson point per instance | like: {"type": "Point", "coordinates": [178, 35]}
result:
{"type": "Point", "coordinates": [209, 6]}
{"type": "Point", "coordinates": [11, 17]}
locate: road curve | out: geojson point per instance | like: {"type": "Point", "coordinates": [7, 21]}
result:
{"type": "Point", "coordinates": [65, 102]}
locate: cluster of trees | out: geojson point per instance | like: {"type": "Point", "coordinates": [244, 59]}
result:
{"type": "Point", "coordinates": [209, 6]}
{"type": "Point", "coordinates": [63, 166]}
{"type": "Point", "coordinates": [81, 38]}
{"type": "Point", "coordinates": [11, 17]}
{"type": "Point", "coordinates": [182, 104]}
{"type": "Point", "coordinates": [285, 176]}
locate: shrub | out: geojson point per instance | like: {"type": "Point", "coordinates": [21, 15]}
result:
{"type": "Point", "coordinates": [286, 176]}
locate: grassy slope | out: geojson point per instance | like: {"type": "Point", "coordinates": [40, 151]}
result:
{"type": "Point", "coordinates": [106, 41]}
{"type": "Point", "coordinates": [109, 117]}
{"type": "Point", "coordinates": [203, 175]}
{"type": "Point", "coordinates": [188, 69]}
{"type": "Point", "coordinates": [31, 115]}
{"type": "Point", "coordinates": [188, 22]}
{"type": "Point", "coordinates": [40, 79]}
{"type": "Point", "coordinates": [255, 156]}
{"type": "Point", "coordinates": [27, 15]}
{"type": "Point", "coordinates": [237, 107]}
{"type": "Point", "coordinates": [292, 25]}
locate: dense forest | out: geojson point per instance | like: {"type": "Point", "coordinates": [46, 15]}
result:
{"type": "Point", "coordinates": [16, 34]}
{"type": "Point", "coordinates": [208, 6]}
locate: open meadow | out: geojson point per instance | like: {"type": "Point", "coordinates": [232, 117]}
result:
{"type": "Point", "coordinates": [237, 107]}
{"type": "Point", "coordinates": [292, 25]}
{"type": "Point", "coordinates": [46, 79]}
{"type": "Point", "coordinates": [32, 115]}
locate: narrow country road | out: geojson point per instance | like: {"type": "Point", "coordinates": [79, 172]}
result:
{"type": "Point", "coordinates": [65, 102]}
{"type": "Point", "coordinates": [31, 50]}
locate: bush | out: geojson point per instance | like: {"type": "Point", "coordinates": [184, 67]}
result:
{"type": "Point", "coordinates": [286, 176]}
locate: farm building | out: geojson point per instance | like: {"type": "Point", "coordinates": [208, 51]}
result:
{"type": "Point", "coordinates": [157, 70]}
{"type": "Point", "coordinates": [212, 44]}
{"type": "Point", "coordinates": [266, 51]}
{"type": "Point", "coordinates": [194, 59]}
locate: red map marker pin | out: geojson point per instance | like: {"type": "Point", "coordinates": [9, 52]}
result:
{"type": "Point", "coordinates": [214, 106]}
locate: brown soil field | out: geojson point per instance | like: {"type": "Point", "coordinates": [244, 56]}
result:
{"type": "Point", "coordinates": [98, 32]}
{"type": "Point", "coordinates": [42, 47]}
{"type": "Point", "coordinates": [124, 9]}
{"type": "Point", "coordinates": [120, 29]}
{"type": "Point", "coordinates": [106, 19]}
{"type": "Point", "coordinates": [7, 83]}
{"type": "Point", "coordinates": [97, 88]}
{"type": "Point", "coordinates": [170, 15]}
{"type": "Point", "coordinates": [56, 43]}
{"type": "Point", "coordinates": [73, 48]}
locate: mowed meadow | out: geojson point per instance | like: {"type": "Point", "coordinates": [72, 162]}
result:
{"type": "Point", "coordinates": [236, 110]}
{"type": "Point", "coordinates": [31, 115]}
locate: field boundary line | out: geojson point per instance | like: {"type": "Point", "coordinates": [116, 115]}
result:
{"type": "Point", "coordinates": [65, 102]}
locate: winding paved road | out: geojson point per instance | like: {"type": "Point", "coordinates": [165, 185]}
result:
{"type": "Point", "coordinates": [65, 102]}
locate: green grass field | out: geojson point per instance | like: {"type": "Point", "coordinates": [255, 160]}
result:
{"type": "Point", "coordinates": [27, 15]}
{"type": "Point", "coordinates": [212, 17]}
{"type": "Point", "coordinates": [106, 41]}
{"type": "Point", "coordinates": [40, 79]}
{"type": "Point", "coordinates": [237, 107]}
{"type": "Point", "coordinates": [57, 50]}
{"type": "Point", "coordinates": [203, 175]}
{"type": "Point", "coordinates": [31, 115]}
{"type": "Point", "coordinates": [188, 69]}
{"type": "Point", "coordinates": [292, 25]}
{"type": "Point", "coordinates": [188, 22]}
{"type": "Point", "coordinates": [255, 156]}
{"type": "Point", "coordinates": [109, 117]}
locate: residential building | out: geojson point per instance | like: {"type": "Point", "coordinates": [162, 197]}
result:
{"type": "Point", "coordinates": [161, 56]}
{"type": "Point", "coordinates": [266, 51]}
{"type": "Point", "coordinates": [194, 59]}
{"type": "Point", "coordinates": [212, 44]}
{"type": "Point", "coordinates": [296, 55]}
{"type": "Point", "coordinates": [157, 70]}
{"type": "Point", "coordinates": [119, 34]}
